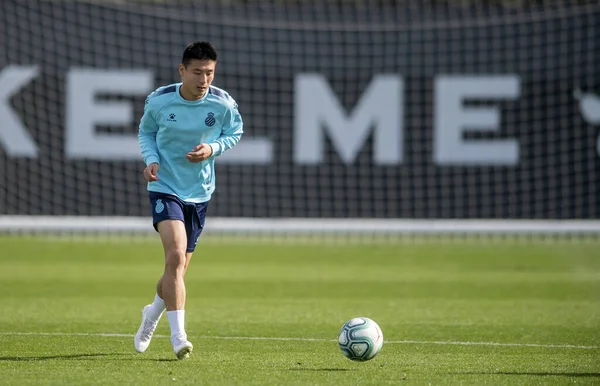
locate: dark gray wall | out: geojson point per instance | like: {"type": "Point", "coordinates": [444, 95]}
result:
{"type": "Point", "coordinates": [262, 48]}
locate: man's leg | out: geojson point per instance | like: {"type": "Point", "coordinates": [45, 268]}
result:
{"type": "Point", "coordinates": [174, 239]}
{"type": "Point", "coordinates": [156, 309]}
{"type": "Point", "coordinates": [195, 225]}
{"type": "Point", "coordinates": [188, 257]}
{"type": "Point", "coordinates": [165, 210]}
{"type": "Point", "coordinates": [170, 290]}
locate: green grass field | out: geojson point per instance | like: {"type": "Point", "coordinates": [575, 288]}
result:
{"type": "Point", "coordinates": [266, 313]}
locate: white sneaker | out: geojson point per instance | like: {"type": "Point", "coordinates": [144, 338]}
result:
{"type": "Point", "coordinates": [144, 334]}
{"type": "Point", "coordinates": [181, 346]}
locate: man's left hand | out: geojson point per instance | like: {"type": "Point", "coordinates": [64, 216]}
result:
{"type": "Point", "coordinates": [199, 153]}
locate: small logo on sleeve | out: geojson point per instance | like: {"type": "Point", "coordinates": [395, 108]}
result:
{"type": "Point", "coordinates": [210, 119]}
{"type": "Point", "coordinates": [171, 118]}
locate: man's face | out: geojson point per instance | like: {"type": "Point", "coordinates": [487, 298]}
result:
{"type": "Point", "coordinates": [197, 76]}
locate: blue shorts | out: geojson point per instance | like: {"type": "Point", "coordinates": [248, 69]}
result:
{"type": "Point", "coordinates": [169, 207]}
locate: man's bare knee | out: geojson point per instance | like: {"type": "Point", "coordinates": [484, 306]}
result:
{"type": "Point", "coordinates": [175, 261]}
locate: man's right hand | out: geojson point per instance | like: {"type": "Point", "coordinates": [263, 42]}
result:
{"type": "Point", "coordinates": [151, 172]}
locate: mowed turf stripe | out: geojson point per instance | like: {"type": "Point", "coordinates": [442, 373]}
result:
{"type": "Point", "coordinates": [569, 346]}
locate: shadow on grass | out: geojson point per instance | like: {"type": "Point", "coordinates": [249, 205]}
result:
{"type": "Point", "coordinates": [128, 357]}
{"type": "Point", "coordinates": [49, 357]}
{"type": "Point", "coordinates": [319, 369]}
{"type": "Point", "coordinates": [134, 358]}
{"type": "Point", "coordinates": [540, 374]}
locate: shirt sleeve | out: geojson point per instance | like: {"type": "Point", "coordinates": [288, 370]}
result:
{"type": "Point", "coordinates": [147, 136]}
{"type": "Point", "coordinates": [233, 128]}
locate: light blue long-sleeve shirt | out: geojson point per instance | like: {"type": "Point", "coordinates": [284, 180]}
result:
{"type": "Point", "coordinates": [172, 126]}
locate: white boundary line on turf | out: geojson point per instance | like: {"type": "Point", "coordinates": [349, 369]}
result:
{"type": "Point", "coordinates": [309, 340]}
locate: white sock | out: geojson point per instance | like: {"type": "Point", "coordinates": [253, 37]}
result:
{"type": "Point", "coordinates": [176, 322]}
{"type": "Point", "coordinates": [156, 309]}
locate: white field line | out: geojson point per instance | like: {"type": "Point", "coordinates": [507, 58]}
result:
{"type": "Point", "coordinates": [496, 344]}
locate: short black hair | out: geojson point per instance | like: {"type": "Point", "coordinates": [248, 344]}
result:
{"type": "Point", "coordinates": [200, 51]}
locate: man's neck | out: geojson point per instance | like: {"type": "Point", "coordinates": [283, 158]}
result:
{"type": "Point", "coordinates": [189, 96]}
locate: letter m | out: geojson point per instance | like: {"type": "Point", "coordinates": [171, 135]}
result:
{"type": "Point", "coordinates": [319, 113]}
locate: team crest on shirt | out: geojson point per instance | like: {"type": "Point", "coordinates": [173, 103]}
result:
{"type": "Point", "coordinates": [210, 119]}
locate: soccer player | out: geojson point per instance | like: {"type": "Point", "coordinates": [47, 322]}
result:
{"type": "Point", "coordinates": [184, 127]}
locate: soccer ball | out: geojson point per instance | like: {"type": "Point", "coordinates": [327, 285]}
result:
{"type": "Point", "coordinates": [360, 339]}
